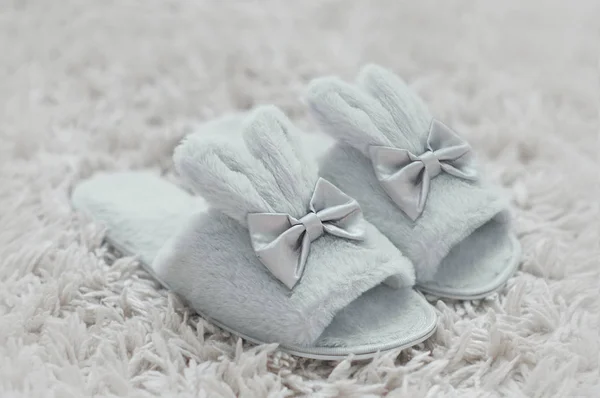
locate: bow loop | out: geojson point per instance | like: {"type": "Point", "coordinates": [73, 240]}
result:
{"type": "Point", "coordinates": [406, 177]}
{"type": "Point", "coordinates": [282, 242]}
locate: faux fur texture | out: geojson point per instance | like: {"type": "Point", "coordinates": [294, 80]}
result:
{"type": "Point", "coordinates": [141, 212]}
{"type": "Point", "coordinates": [212, 265]}
{"type": "Point", "coordinates": [215, 268]}
{"type": "Point", "coordinates": [382, 111]}
{"type": "Point", "coordinates": [455, 210]}
{"type": "Point", "coordinates": [207, 259]}
{"type": "Point", "coordinates": [266, 173]}
{"type": "Point", "coordinates": [92, 86]}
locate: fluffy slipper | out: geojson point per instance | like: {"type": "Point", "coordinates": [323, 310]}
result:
{"type": "Point", "coordinates": [282, 256]}
{"type": "Point", "coordinates": [417, 182]}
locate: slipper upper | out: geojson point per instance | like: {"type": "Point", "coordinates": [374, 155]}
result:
{"type": "Point", "coordinates": [415, 178]}
{"type": "Point", "coordinates": [282, 251]}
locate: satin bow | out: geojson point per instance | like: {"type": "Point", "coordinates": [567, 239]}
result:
{"type": "Point", "coordinates": [406, 177]}
{"type": "Point", "coordinates": [282, 242]}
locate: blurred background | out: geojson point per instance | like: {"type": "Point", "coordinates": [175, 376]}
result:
{"type": "Point", "coordinates": [117, 75]}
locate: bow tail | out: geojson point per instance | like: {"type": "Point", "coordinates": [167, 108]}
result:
{"type": "Point", "coordinates": [408, 188]}
{"type": "Point", "coordinates": [423, 192]}
{"type": "Point", "coordinates": [302, 258]}
{"type": "Point", "coordinates": [283, 253]}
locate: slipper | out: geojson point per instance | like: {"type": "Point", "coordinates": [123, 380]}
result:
{"type": "Point", "coordinates": [417, 182]}
{"type": "Point", "coordinates": [282, 256]}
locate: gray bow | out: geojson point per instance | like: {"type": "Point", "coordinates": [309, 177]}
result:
{"type": "Point", "coordinates": [282, 242]}
{"type": "Point", "coordinates": [406, 177]}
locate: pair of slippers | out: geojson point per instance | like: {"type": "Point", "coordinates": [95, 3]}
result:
{"type": "Point", "coordinates": [326, 258]}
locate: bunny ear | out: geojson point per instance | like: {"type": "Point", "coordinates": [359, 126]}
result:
{"type": "Point", "coordinates": [270, 137]}
{"type": "Point", "coordinates": [408, 111]}
{"type": "Point", "coordinates": [351, 115]}
{"type": "Point", "coordinates": [227, 177]}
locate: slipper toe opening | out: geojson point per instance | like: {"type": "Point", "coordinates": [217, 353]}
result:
{"type": "Point", "coordinates": [477, 266]}
{"type": "Point", "coordinates": [382, 318]}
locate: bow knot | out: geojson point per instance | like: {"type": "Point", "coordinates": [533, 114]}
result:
{"type": "Point", "coordinates": [406, 177]}
{"type": "Point", "coordinates": [282, 242]}
{"type": "Point", "coordinates": [313, 225]}
{"type": "Point", "coordinates": [431, 163]}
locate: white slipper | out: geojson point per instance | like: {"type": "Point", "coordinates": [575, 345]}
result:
{"type": "Point", "coordinates": [311, 274]}
{"type": "Point", "coordinates": [417, 183]}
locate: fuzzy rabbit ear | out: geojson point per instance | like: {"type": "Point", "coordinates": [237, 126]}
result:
{"type": "Point", "coordinates": [271, 138]}
{"type": "Point", "coordinates": [350, 115]}
{"type": "Point", "coordinates": [227, 176]}
{"type": "Point", "coordinates": [267, 172]}
{"type": "Point", "coordinates": [408, 111]}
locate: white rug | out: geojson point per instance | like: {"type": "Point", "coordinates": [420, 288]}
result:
{"type": "Point", "coordinates": [109, 85]}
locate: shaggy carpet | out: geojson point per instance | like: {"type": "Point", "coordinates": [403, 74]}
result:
{"type": "Point", "coordinates": [114, 85]}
